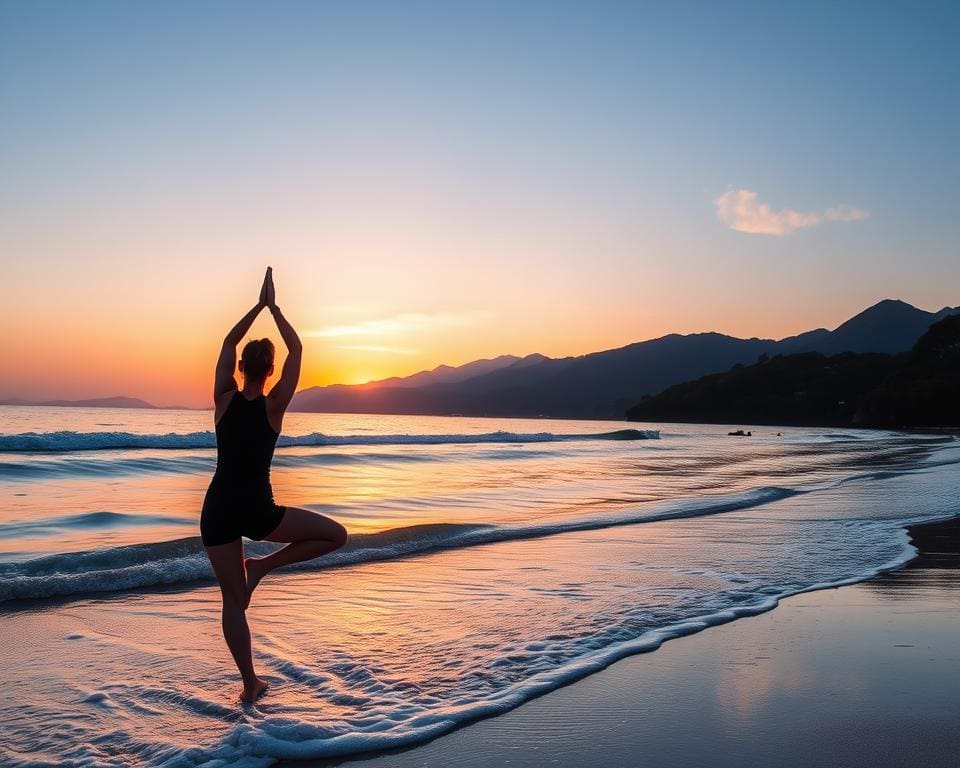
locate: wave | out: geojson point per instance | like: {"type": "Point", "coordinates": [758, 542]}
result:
{"type": "Point", "coordinates": [178, 462]}
{"type": "Point", "coordinates": [85, 520]}
{"type": "Point", "coordinates": [273, 738]}
{"type": "Point", "coordinates": [183, 561]}
{"type": "Point", "coordinates": [53, 442]}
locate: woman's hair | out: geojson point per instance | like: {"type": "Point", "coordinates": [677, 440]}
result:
{"type": "Point", "coordinates": [256, 360]}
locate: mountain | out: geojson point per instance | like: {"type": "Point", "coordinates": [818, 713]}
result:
{"type": "Point", "coordinates": [422, 393]}
{"type": "Point", "coordinates": [923, 391]}
{"type": "Point", "coordinates": [96, 402]}
{"type": "Point", "coordinates": [445, 374]}
{"type": "Point", "coordinates": [604, 384]}
{"type": "Point", "coordinates": [598, 385]}
{"type": "Point", "coordinates": [889, 326]}
{"type": "Point", "coordinates": [805, 389]}
{"type": "Point", "coordinates": [871, 389]}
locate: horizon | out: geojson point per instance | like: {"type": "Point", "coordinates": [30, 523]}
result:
{"type": "Point", "coordinates": [575, 329]}
{"type": "Point", "coordinates": [436, 185]}
{"type": "Point", "coordinates": [209, 406]}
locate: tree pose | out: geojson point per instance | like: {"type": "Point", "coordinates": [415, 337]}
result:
{"type": "Point", "coordinates": [239, 501]}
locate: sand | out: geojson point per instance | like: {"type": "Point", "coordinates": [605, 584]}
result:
{"type": "Point", "coordinates": [867, 675]}
{"type": "Point", "coordinates": [864, 675]}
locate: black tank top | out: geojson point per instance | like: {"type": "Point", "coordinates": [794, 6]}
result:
{"type": "Point", "coordinates": [245, 443]}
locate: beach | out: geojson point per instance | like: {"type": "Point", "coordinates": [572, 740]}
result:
{"type": "Point", "coordinates": [512, 590]}
{"type": "Point", "coordinates": [861, 675]}
{"type": "Point", "coordinates": [479, 385]}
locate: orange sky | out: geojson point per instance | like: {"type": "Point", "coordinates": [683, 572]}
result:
{"type": "Point", "coordinates": [153, 334]}
{"type": "Point", "coordinates": [431, 190]}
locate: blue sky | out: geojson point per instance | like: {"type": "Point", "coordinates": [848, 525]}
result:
{"type": "Point", "coordinates": [552, 168]}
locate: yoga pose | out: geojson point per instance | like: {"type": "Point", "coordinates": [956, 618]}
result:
{"type": "Point", "coordinates": [239, 501]}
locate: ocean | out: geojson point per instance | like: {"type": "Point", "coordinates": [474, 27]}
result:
{"type": "Point", "coordinates": [490, 561]}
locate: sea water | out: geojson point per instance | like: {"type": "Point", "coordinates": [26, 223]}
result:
{"type": "Point", "coordinates": [490, 561]}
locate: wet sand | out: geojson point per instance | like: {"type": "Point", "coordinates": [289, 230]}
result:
{"type": "Point", "coordinates": [863, 675]}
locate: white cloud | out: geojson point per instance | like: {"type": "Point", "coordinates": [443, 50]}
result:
{"type": "Point", "coordinates": [400, 324]}
{"type": "Point", "coordinates": [739, 209]}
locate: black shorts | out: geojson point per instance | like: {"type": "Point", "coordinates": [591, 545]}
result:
{"type": "Point", "coordinates": [229, 513]}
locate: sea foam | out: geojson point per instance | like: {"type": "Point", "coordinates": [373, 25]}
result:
{"type": "Point", "coordinates": [97, 441]}
{"type": "Point", "coordinates": [183, 560]}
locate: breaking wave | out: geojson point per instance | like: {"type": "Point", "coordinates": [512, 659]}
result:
{"type": "Point", "coordinates": [97, 441]}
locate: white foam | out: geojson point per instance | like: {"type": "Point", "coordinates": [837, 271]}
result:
{"type": "Point", "coordinates": [95, 441]}
{"type": "Point", "coordinates": [833, 531]}
{"type": "Point", "coordinates": [276, 738]}
{"type": "Point", "coordinates": [183, 560]}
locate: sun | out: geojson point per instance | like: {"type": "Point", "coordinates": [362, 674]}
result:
{"type": "Point", "coordinates": [360, 377]}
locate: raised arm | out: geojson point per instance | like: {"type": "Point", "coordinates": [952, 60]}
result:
{"type": "Point", "coordinates": [283, 390]}
{"type": "Point", "coordinates": [227, 362]}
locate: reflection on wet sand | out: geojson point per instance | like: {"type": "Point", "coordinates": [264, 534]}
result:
{"type": "Point", "coordinates": [935, 572]}
{"type": "Point", "coordinates": [859, 676]}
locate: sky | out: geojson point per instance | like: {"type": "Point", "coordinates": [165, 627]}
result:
{"type": "Point", "coordinates": [441, 182]}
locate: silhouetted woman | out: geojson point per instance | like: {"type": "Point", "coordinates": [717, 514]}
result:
{"type": "Point", "coordinates": [239, 501]}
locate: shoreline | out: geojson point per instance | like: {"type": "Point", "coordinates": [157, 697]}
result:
{"type": "Point", "coordinates": [650, 706]}
{"type": "Point", "coordinates": [390, 654]}
{"type": "Point", "coordinates": [940, 430]}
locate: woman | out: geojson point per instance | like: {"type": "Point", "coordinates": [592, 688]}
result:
{"type": "Point", "coordinates": [239, 501]}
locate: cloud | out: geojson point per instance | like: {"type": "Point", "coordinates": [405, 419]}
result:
{"type": "Point", "coordinates": [377, 348]}
{"type": "Point", "coordinates": [399, 324]}
{"type": "Point", "coordinates": [739, 209]}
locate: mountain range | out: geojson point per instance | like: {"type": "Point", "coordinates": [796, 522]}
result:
{"type": "Point", "coordinates": [96, 402]}
{"type": "Point", "coordinates": [604, 384]}
{"type": "Point", "coordinates": [597, 385]}
{"type": "Point", "coordinates": [906, 390]}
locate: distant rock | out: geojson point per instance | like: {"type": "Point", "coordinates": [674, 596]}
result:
{"type": "Point", "coordinates": [96, 402]}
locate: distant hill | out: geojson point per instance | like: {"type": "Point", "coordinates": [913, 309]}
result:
{"type": "Point", "coordinates": [444, 374]}
{"type": "Point", "coordinates": [922, 392]}
{"type": "Point", "coordinates": [907, 389]}
{"type": "Point", "coordinates": [597, 385]}
{"type": "Point", "coordinates": [604, 384]}
{"type": "Point", "coordinates": [96, 402]}
{"type": "Point", "coordinates": [421, 393]}
{"type": "Point", "coordinates": [806, 389]}
{"type": "Point", "coordinates": [889, 326]}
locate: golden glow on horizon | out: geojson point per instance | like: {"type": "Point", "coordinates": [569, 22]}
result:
{"type": "Point", "coordinates": [430, 191]}
{"type": "Point", "coordinates": [144, 331]}
{"type": "Point", "coordinates": [382, 279]}
{"type": "Point", "coordinates": [102, 357]}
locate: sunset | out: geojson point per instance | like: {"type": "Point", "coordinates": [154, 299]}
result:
{"type": "Point", "coordinates": [449, 192]}
{"type": "Point", "coordinates": [472, 353]}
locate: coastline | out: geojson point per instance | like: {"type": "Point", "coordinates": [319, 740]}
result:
{"type": "Point", "coordinates": [392, 650]}
{"type": "Point", "coordinates": [857, 675]}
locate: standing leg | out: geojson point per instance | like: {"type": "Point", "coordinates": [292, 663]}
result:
{"type": "Point", "coordinates": [307, 535]}
{"type": "Point", "coordinates": [227, 561]}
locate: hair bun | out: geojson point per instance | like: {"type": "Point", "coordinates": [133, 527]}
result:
{"type": "Point", "coordinates": [257, 358]}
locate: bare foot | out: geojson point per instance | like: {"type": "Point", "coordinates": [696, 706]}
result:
{"type": "Point", "coordinates": [252, 693]}
{"type": "Point", "coordinates": [254, 571]}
